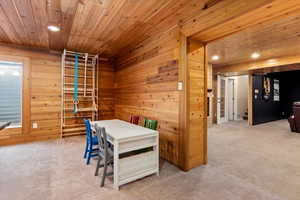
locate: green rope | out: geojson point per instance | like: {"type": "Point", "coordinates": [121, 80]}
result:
{"type": "Point", "coordinates": [75, 97]}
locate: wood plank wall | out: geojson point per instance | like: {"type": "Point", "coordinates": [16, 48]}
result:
{"type": "Point", "coordinates": [143, 82]}
{"type": "Point", "coordinates": [45, 95]}
{"type": "Point", "coordinates": [146, 85]}
{"type": "Point", "coordinates": [106, 80]}
{"type": "Point", "coordinates": [197, 105]}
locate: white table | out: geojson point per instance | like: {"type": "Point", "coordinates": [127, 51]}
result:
{"type": "Point", "coordinates": [127, 137]}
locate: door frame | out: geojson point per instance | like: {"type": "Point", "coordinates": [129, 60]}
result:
{"type": "Point", "coordinates": [225, 118]}
{"type": "Point", "coordinates": [233, 98]}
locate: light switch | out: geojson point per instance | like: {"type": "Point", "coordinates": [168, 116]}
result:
{"type": "Point", "coordinates": [180, 85]}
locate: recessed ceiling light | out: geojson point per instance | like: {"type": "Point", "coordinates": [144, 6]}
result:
{"type": "Point", "coordinates": [53, 28]}
{"type": "Point", "coordinates": [215, 57]}
{"type": "Point", "coordinates": [272, 61]}
{"type": "Point", "coordinates": [255, 55]}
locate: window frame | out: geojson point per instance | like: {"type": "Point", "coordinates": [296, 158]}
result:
{"type": "Point", "coordinates": [25, 127]}
{"type": "Point", "coordinates": [21, 95]}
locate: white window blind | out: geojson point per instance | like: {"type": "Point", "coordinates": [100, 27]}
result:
{"type": "Point", "coordinates": [11, 92]}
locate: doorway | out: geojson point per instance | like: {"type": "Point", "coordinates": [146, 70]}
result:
{"type": "Point", "coordinates": [232, 98]}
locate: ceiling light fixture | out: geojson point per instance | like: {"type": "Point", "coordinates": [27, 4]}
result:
{"type": "Point", "coordinates": [215, 57]}
{"type": "Point", "coordinates": [255, 55]}
{"type": "Point", "coordinates": [53, 28]}
{"type": "Point", "coordinates": [272, 61]}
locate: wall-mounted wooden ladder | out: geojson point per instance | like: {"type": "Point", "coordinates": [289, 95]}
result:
{"type": "Point", "coordinates": [87, 91]}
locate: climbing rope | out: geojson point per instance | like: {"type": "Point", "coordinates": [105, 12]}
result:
{"type": "Point", "coordinates": [75, 97]}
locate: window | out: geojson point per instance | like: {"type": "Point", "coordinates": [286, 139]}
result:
{"type": "Point", "coordinates": [11, 92]}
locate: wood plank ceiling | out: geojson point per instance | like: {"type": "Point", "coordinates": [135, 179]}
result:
{"type": "Point", "coordinates": [271, 40]}
{"type": "Point", "coordinates": [100, 26]}
{"type": "Point", "coordinates": [110, 26]}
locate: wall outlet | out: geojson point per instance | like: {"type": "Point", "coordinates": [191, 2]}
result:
{"type": "Point", "coordinates": [180, 85]}
{"type": "Point", "coordinates": [34, 125]}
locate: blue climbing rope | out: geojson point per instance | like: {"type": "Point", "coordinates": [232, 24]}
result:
{"type": "Point", "coordinates": [75, 97]}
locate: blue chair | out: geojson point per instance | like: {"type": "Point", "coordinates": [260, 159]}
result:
{"type": "Point", "coordinates": [91, 141]}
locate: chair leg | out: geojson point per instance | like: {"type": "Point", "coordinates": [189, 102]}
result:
{"type": "Point", "coordinates": [104, 173]}
{"type": "Point", "coordinates": [98, 166]}
{"type": "Point", "coordinates": [89, 154]}
{"type": "Point", "coordinates": [85, 153]}
{"type": "Point", "coordinates": [88, 158]}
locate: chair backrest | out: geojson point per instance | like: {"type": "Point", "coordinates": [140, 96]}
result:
{"type": "Point", "coordinates": [134, 119]}
{"type": "Point", "coordinates": [88, 129]}
{"type": "Point", "coordinates": [149, 123]}
{"type": "Point", "coordinates": [102, 140]}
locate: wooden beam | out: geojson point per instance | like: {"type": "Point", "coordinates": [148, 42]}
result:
{"type": "Point", "coordinates": [192, 103]}
{"type": "Point", "coordinates": [205, 150]}
{"type": "Point", "coordinates": [229, 16]}
{"type": "Point", "coordinates": [258, 65]}
{"type": "Point", "coordinates": [291, 67]}
{"type": "Point", "coordinates": [34, 49]}
{"type": "Point", "coordinates": [26, 99]}
{"type": "Point", "coordinates": [196, 137]}
{"type": "Point", "coordinates": [44, 50]}
{"type": "Point", "coordinates": [183, 109]}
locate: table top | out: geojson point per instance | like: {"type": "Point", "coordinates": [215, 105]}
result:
{"type": "Point", "coordinates": [119, 129]}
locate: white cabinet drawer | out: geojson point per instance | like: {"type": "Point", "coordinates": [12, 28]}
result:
{"type": "Point", "coordinates": [135, 165]}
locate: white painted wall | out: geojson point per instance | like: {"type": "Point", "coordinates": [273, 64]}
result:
{"type": "Point", "coordinates": [242, 96]}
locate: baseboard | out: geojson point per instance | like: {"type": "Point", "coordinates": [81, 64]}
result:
{"type": "Point", "coordinates": [19, 139]}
